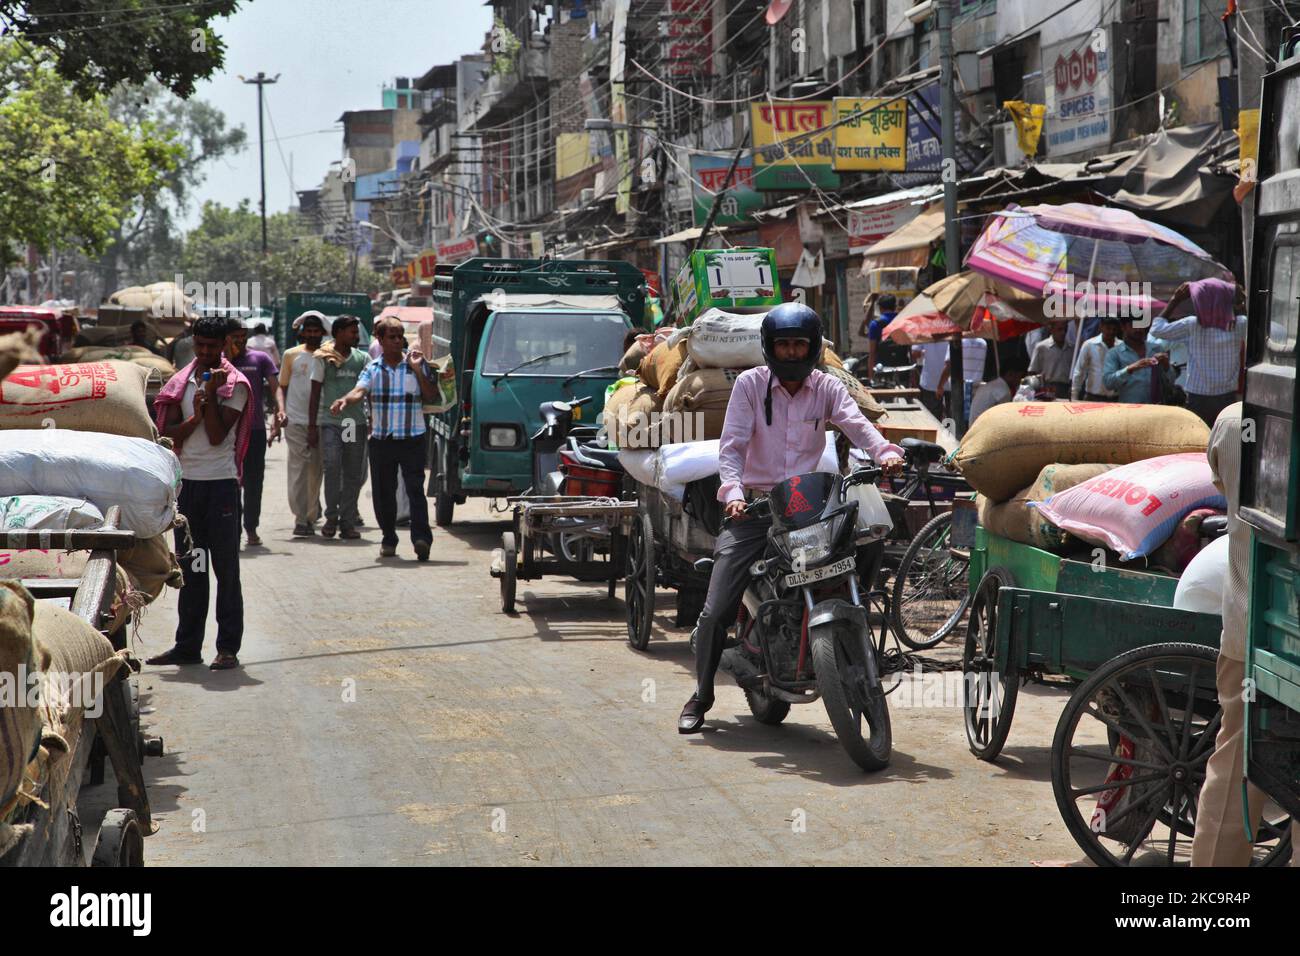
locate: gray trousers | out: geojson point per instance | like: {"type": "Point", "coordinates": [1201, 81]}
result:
{"type": "Point", "coordinates": [344, 465]}
{"type": "Point", "coordinates": [741, 544]}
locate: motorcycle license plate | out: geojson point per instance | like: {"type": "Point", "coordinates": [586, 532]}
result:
{"type": "Point", "coordinates": [800, 578]}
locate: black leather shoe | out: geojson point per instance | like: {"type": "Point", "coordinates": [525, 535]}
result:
{"type": "Point", "coordinates": [692, 719]}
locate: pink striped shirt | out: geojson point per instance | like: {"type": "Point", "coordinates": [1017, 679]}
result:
{"type": "Point", "coordinates": [757, 456]}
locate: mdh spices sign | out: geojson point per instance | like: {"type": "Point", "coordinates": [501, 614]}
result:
{"type": "Point", "coordinates": [870, 135]}
{"type": "Point", "coordinates": [794, 145]}
{"type": "Point", "coordinates": [1078, 94]}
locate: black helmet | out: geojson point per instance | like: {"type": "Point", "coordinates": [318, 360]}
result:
{"type": "Point", "coordinates": [792, 320]}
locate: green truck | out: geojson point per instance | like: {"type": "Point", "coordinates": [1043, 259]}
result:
{"type": "Point", "coordinates": [520, 332]}
{"type": "Point", "coordinates": [331, 304]}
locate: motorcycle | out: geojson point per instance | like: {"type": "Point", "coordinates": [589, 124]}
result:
{"type": "Point", "coordinates": [804, 629]}
{"type": "Point", "coordinates": [550, 439]}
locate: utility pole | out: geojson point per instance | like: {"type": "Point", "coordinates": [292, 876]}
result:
{"type": "Point", "coordinates": [952, 227]}
{"type": "Point", "coordinates": [260, 81]}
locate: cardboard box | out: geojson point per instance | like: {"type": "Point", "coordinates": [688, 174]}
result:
{"type": "Point", "coordinates": [725, 279]}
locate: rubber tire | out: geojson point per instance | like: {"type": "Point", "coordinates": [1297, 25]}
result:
{"type": "Point", "coordinates": [640, 576]}
{"type": "Point", "coordinates": [766, 708]}
{"type": "Point", "coordinates": [510, 573]}
{"type": "Point", "coordinates": [121, 840]}
{"type": "Point", "coordinates": [1010, 682]}
{"type": "Point", "coordinates": [870, 756]}
{"type": "Point", "coordinates": [1069, 719]}
{"type": "Point", "coordinates": [930, 529]}
{"type": "Point", "coordinates": [444, 505]}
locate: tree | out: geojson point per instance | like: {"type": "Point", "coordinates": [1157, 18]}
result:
{"type": "Point", "coordinates": [68, 171]}
{"type": "Point", "coordinates": [226, 247]}
{"type": "Point", "coordinates": [149, 244]}
{"type": "Point", "coordinates": [98, 44]}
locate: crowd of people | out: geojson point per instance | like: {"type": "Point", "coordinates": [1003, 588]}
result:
{"type": "Point", "coordinates": [1194, 361]}
{"type": "Point", "coordinates": [339, 410]}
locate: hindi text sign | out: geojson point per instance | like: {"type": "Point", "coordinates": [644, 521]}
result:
{"type": "Point", "coordinates": [793, 145]}
{"type": "Point", "coordinates": [870, 135]}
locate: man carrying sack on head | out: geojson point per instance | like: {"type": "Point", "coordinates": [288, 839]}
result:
{"type": "Point", "coordinates": [205, 410]}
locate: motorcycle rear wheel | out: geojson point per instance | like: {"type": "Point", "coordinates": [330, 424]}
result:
{"type": "Point", "coordinates": [847, 706]}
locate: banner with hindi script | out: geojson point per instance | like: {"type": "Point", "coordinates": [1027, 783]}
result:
{"type": "Point", "coordinates": [740, 200]}
{"type": "Point", "coordinates": [870, 135]}
{"type": "Point", "coordinates": [793, 145]}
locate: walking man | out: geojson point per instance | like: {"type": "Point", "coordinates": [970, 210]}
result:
{"type": "Point", "coordinates": [262, 374]}
{"type": "Point", "coordinates": [205, 410]}
{"type": "Point", "coordinates": [1089, 383]}
{"type": "Point", "coordinates": [341, 437]}
{"type": "Point", "coordinates": [304, 460]}
{"type": "Point", "coordinates": [1214, 336]}
{"type": "Point", "coordinates": [396, 384]}
{"type": "Point", "coordinates": [1051, 359]}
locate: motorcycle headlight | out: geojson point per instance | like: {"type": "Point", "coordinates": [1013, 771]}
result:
{"type": "Point", "coordinates": [811, 546]}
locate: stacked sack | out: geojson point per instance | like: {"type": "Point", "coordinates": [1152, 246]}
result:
{"type": "Point", "coordinates": [76, 440]}
{"type": "Point", "coordinates": [1019, 456]}
{"type": "Point", "coordinates": [159, 367]}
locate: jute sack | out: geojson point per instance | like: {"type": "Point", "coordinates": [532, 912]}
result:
{"type": "Point", "coordinates": [151, 565]}
{"type": "Point", "coordinates": [696, 408]}
{"type": "Point", "coordinates": [20, 725]}
{"type": "Point", "coordinates": [632, 358]}
{"type": "Point", "coordinates": [830, 360]}
{"type": "Point", "coordinates": [106, 397]}
{"type": "Point", "coordinates": [635, 417]}
{"type": "Point", "coordinates": [81, 663]}
{"type": "Point", "coordinates": [1009, 444]}
{"type": "Point", "coordinates": [1015, 519]}
{"type": "Point", "coordinates": [17, 348]}
{"type": "Point", "coordinates": [659, 369]}
{"type": "Point", "coordinates": [859, 393]}
{"type": "Point", "coordinates": [136, 354]}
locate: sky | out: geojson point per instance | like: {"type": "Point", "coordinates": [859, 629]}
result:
{"type": "Point", "coordinates": [332, 55]}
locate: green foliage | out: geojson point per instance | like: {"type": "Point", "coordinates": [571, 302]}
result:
{"type": "Point", "coordinates": [69, 172]}
{"type": "Point", "coordinates": [98, 44]}
{"type": "Point", "coordinates": [226, 246]}
{"type": "Point", "coordinates": [505, 48]}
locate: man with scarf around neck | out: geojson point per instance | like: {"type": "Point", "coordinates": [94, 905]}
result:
{"type": "Point", "coordinates": [205, 410]}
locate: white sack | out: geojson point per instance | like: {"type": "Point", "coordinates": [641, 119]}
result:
{"type": "Point", "coordinates": [725, 340]}
{"type": "Point", "coordinates": [139, 476]}
{"type": "Point", "coordinates": [678, 464]}
{"type": "Point", "coordinates": [639, 463]}
{"type": "Point", "coordinates": [48, 512]}
{"type": "Point", "coordinates": [1200, 588]}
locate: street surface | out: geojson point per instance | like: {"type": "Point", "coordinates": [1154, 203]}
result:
{"type": "Point", "coordinates": [388, 713]}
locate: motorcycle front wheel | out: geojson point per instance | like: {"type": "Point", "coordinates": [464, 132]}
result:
{"type": "Point", "coordinates": [842, 683]}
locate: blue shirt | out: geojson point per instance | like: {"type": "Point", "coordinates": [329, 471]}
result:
{"type": "Point", "coordinates": [394, 395]}
{"type": "Point", "coordinates": [1132, 387]}
{"type": "Point", "coordinates": [1213, 355]}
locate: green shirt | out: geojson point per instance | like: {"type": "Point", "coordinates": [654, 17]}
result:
{"type": "Point", "coordinates": [337, 381]}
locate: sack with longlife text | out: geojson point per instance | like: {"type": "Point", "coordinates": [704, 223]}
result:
{"type": "Point", "coordinates": [1134, 508]}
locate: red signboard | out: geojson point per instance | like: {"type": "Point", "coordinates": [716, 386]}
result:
{"type": "Point", "coordinates": [690, 37]}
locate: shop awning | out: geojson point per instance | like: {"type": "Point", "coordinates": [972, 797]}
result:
{"type": "Point", "coordinates": [1180, 173]}
{"type": "Point", "coordinates": [908, 245]}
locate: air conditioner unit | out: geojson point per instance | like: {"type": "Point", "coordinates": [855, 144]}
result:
{"type": "Point", "coordinates": [1006, 148]}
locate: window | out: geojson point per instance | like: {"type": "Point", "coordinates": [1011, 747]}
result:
{"type": "Point", "coordinates": [576, 342]}
{"type": "Point", "coordinates": [1203, 36]}
{"type": "Point", "coordinates": [1284, 305]}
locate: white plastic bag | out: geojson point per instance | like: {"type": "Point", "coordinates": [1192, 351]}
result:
{"type": "Point", "coordinates": [48, 512]}
{"type": "Point", "coordinates": [1200, 588]}
{"type": "Point", "coordinates": [139, 476]}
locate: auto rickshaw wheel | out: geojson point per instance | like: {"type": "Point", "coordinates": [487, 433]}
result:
{"type": "Point", "coordinates": [989, 698]}
{"type": "Point", "coordinates": [121, 841]}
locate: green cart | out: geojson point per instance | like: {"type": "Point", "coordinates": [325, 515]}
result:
{"type": "Point", "coordinates": [1129, 752]}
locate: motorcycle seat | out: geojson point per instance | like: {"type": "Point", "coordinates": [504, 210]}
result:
{"type": "Point", "coordinates": [595, 456]}
{"type": "Point", "coordinates": [1213, 527]}
{"type": "Point", "coordinates": [918, 449]}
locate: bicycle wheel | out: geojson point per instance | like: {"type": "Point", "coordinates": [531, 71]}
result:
{"type": "Point", "coordinates": [931, 593]}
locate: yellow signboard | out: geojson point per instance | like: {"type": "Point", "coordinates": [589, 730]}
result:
{"type": "Point", "coordinates": [793, 144]}
{"type": "Point", "coordinates": [870, 134]}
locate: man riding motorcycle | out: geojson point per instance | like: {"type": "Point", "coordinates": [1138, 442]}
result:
{"type": "Point", "coordinates": [775, 429]}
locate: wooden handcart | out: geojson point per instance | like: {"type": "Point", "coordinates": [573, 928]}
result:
{"type": "Point", "coordinates": [56, 836]}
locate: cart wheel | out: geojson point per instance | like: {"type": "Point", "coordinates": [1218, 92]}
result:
{"type": "Point", "coordinates": [1129, 758]}
{"type": "Point", "coordinates": [639, 583]}
{"type": "Point", "coordinates": [990, 698]}
{"type": "Point", "coordinates": [121, 841]}
{"type": "Point", "coordinates": [509, 573]}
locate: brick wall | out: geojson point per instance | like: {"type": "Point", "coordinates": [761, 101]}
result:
{"type": "Point", "coordinates": [566, 65]}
